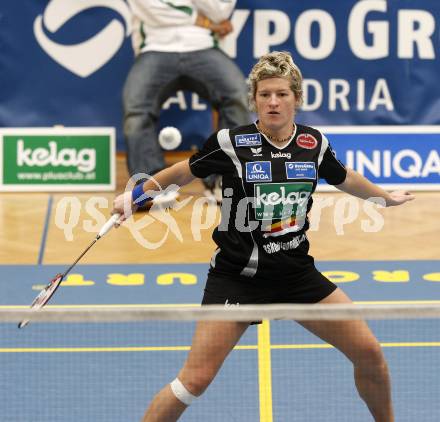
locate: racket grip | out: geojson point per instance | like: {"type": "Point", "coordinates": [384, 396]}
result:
{"type": "Point", "coordinates": [108, 225]}
{"type": "Point", "coordinates": [23, 323]}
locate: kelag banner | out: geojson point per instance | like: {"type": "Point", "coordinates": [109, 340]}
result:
{"type": "Point", "coordinates": [374, 62]}
{"type": "Point", "coordinates": [57, 159]}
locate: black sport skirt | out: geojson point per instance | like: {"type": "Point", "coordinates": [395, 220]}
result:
{"type": "Point", "coordinates": [308, 287]}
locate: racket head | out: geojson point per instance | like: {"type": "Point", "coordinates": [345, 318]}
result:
{"type": "Point", "coordinates": [44, 296]}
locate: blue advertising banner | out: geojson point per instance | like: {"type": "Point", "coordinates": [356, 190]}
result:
{"type": "Point", "coordinates": [395, 157]}
{"type": "Point", "coordinates": [364, 62]}
{"type": "Point", "coordinates": [373, 62]}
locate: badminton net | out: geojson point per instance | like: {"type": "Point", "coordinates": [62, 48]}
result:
{"type": "Point", "coordinates": [106, 364]}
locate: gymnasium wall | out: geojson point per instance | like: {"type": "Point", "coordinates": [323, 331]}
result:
{"type": "Point", "coordinates": [365, 63]}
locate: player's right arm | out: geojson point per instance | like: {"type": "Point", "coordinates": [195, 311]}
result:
{"type": "Point", "coordinates": [178, 174]}
{"type": "Point", "coordinates": [211, 159]}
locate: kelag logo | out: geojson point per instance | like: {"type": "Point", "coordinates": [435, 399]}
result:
{"type": "Point", "coordinates": [280, 200]}
{"type": "Point", "coordinates": [87, 57]}
{"type": "Point", "coordinates": [45, 160]}
{"type": "Point", "coordinates": [83, 160]}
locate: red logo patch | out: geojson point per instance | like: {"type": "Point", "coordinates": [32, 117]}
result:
{"type": "Point", "coordinates": [306, 141]}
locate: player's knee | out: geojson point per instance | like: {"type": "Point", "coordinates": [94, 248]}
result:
{"type": "Point", "coordinates": [197, 382]}
{"type": "Point", "coordinates": [190, 388]}
{"type": "Point", "coordinates": [181, 392]}
{"type": "Point", "coordinates": [370, 355]}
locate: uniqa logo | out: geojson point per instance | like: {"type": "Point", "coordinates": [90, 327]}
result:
{"type": "Point", "coordinates": [84, 159]}
{"type": "Point", "coordinates": [87, 57]}
{"type": "Point", "coordinates": [257, 168]}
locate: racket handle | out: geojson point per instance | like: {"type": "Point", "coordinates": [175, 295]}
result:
{"type": "Point", "coordinates": [23, 323]}
{"type": "Point", "coordinates": [108, 225]}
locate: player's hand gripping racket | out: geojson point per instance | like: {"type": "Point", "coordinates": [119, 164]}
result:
{"type": "Point", "coordinates": [44, 296]}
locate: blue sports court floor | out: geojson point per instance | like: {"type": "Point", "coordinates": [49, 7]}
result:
{"type": "Point", "coordinates": [109, 372]}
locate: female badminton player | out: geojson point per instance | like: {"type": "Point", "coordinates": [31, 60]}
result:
{"type": "Point", "coordinates": [270, 170]}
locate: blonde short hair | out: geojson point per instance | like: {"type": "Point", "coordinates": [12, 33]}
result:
{"type": "Point", "coordinates": [277, 64]}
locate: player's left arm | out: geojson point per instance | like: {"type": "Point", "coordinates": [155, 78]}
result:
{"type": "Point", "coordinates": [357, 185]}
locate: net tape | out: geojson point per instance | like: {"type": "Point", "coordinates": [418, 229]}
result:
{"type": "Point", "coordinates": [317, 312]}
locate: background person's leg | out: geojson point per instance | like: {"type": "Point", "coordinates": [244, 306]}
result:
{"type": "Point", "coordinates": [217, 79]}
{"type": "Point", "coordinates": [225, 83]}
{"type": "Point", "coordinates": [151, 80]}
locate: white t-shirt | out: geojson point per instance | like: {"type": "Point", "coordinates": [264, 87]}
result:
{"type": "Point", "coordinates": [169, 25]}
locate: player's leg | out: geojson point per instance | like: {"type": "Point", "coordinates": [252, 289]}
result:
{"type": "Point", "coordinates": [357, 342]}
{"type": "Point", "coordinates": [152, 78]}
{"type": "Point", "coordinates": [211, 343]}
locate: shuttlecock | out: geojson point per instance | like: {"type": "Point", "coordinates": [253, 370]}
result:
{"type": "Point", "coordinates": [170, 138]}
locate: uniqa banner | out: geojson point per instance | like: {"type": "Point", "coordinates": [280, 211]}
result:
{"type": "Point", "coordinates": [372, 62]}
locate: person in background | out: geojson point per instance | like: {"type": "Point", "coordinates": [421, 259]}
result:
{"type": "Point", "coordinates": [175, 45]}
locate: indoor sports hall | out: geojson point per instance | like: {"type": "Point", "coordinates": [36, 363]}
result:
{"type": "Point", "coordinates": [120, 325]}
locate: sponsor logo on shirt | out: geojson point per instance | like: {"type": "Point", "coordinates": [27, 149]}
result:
{"type": "Point", "coordinates": [274, 247]}
{"type": "Point", "coordinates": [258, 171]}
{"type": "Point", "coordinates": [300, 170]}
{"type": "Point", "coordinates": [306, 141]}
{"type": "Point", "coordinates": [231, 305]}
{"type": "Point", "coordinates": [280, 154]}
{"type": "Point", "coordinates": [281, 200]}
{"type": "Point", "coordinates": [256, 152]}
{"type": "Point", "coordinates": [250, 140]}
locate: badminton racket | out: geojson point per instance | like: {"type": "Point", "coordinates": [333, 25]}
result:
{"type": "Point", "coordinates": [45, 294]}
